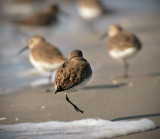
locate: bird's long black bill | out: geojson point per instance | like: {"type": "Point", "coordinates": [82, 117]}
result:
{"type": "Point", "coordinates": [23, 49]}
{"type": "Point", "coordinates": [104, 36]}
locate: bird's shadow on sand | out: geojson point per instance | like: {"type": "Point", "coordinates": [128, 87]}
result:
{"type": "Point", "coordinates": [110, 86]}
{"type": "Point", "coordinates": [109, 11]}
{"type": "Point", "coordinates": [155, 74]}
{"type": "Point", "coordinates": [138, 116]}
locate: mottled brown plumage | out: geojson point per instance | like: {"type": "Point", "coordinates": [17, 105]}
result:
{"type": "Point", "coordinates": [73, 74]}
{"type": "Point", "coordinates": [122, 45]}
{"type": "Point", "coordinates": [123, 40]}
{"type": "Point", "coordinates": [45, 52]}
{"type": "Point", "coordinates": [44, 56]}
{"type": "Point", "coordinates": [47, 17]}
{"type": "Point", "coordinates": [25, 1]}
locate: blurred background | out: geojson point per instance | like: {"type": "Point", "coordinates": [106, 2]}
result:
{"type": "Point", "coordinates": [73, 31]}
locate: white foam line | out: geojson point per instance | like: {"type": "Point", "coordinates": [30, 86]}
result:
{"type": "Point", "coordinates": [39, 82]}
{"type": "Point", "coordinates": [32, 72]}
{"type": "Point", "coordinates": [86, 129]}
{"type": "Point", "coordinates": [43, 81]}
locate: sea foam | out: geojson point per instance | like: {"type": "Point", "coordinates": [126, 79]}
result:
{"type": "Point", "coordinates": [86, 129]}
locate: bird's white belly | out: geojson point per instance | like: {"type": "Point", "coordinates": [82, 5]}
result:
{"type": "Point", "coordinates": [127, 53]}
{"type": "Point", "coordinates": [78, 87]}
{"type": "Point", "coordinates": [44, 66]}
{"type": "Point", "coordinates": [89, 13]}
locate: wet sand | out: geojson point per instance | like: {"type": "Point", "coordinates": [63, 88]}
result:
{"type": "Point", "coordinates": [107, 95]}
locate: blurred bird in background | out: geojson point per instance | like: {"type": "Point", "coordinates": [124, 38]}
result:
{"type": "Point", "coordinates": [47, 17]}
{"type": "Point", "coordinates": [122, 45]}
{"type": "Point", "coordinates": [90, 9]}
{"type": "Point", "coordinates": [44, 56]}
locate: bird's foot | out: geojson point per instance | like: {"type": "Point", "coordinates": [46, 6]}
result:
{"type": "Point", "coordinates": [77, 109]}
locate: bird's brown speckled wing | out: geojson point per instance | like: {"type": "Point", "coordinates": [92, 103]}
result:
{"type": "Point", "coordinates": [45, 52]}
{"type": "Point", "coordinates": [71, 73]}
{"type": "Point", "coordinates": [124, 40]}
{"type": "Point", "coordinates": [38, 20]}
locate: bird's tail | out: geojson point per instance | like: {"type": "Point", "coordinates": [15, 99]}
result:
{"type": "Point", "coordinates": [59, 89]}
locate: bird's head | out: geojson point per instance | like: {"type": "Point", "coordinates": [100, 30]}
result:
{"type": "Point", "coordinates": [75, 53]}
{"type": "Point", "coordinates": [32, 43]}
{"type": "Point", "coordinates": [114, 30]}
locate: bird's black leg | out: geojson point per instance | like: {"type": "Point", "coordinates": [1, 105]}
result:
{"type": "Point", "coordinates": [49, 82]}
{"type": "Point", "coordinates": [126, 66]}
{"type": "Point", "coordinates": [76, 108]}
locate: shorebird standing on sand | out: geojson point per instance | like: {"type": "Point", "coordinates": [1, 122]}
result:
{"type": "Point", "coordinates": [47, 17]}
{"type": "Point", "coordinates": [73, 75]}
{"type": "Point", "coordinates": [89, 9]}
{"type": "Point", "coordinates": [122, 45]}
{"type": "Point", "coordinates": [44, 56]}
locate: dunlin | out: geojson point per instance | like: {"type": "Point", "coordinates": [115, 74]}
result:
{"type": "Point", "coordinates": [73, 75]}
{"type": "Point", "coordinates": [25, 1]}
{"type": "Point", "coordinates": [122, 45]}
{"type": "Point", "coordinates": [47, 17]}
{"type": "Point", "coordinates": [89, 9]}
{"type": "Point", "coordinates": [43, 55]}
